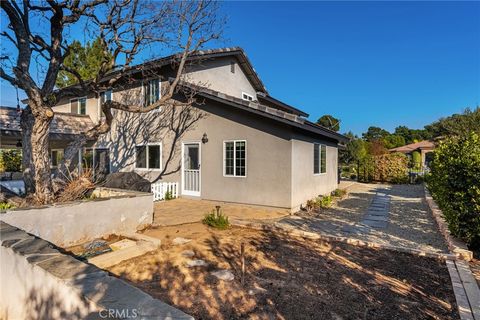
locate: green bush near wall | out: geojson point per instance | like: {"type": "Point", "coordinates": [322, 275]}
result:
{"type": "Point", "coordinates": [454, 182]}
{"type": "Point", "coordinates": [416, 160]}
{"type": "Point", "coordinates": [10, 160]}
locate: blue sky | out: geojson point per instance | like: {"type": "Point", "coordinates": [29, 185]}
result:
{"type": "Point", "coordinates": [367, 63]}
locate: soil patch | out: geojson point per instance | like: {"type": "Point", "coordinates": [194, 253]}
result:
{"type": "Point", "coordinates": [289, 278]}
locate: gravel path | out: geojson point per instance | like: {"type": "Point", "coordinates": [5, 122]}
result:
{"type": "Point", "coordinates": [410, 224]}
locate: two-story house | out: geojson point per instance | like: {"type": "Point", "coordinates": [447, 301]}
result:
{"type": "Point", "coordinates": [236, 144]}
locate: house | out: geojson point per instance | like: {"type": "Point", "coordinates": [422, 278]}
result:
{"type": "Point", "coordinates": [424, 148]}
{"type": "Point", "coordinates": [235, 144]}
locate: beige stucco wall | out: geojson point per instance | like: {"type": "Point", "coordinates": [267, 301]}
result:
{"type": "Point", "coordinates": [217, 76]}
{"type": "Point", "coordinates": [92, 107]}
{"type": "Point", "coordinates": [268, 152]}
{"type": "Point", "coordinates": [305, 184]}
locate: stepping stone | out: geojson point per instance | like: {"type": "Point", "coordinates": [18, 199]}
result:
{"type": "Point", "coordinates": [375, 224]}
{"type": "Point", "coordinates": [376, 218]}
{"type": "Point", "coordinates": [188, 253]}
{"type": "Point", "coordinates": [224, 275]}
{"type": "Point", "coordinates": [196, 263]}
{"type": "Point", "coordinates": [356, 229]}
{"type": "Point", "coordinates": [122, 244]}
{"type": "Point", "coordinates": [180, 240]}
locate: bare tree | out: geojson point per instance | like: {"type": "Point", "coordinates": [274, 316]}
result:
{"type": "Point", "coordinates": [126, 29]}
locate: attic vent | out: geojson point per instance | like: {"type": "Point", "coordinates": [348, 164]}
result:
{"type": "Point", "coordinates": [247, 97]}
{"type": "Point", "coordinates": [232, 66]}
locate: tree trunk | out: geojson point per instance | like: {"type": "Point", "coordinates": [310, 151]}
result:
{"type": "Point", "coordinates": [41, 155]}
{"type": "Point", "coordinates": [26, 123]}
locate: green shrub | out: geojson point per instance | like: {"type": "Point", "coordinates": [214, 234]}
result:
{"type": "Point", "coordinates": [6, 206]}
{"type": "Point", "coordinates": [324, 201]}
{"type": "Point", "coordinates": [454, 182]}
{"type": "Point", "coordinates": [339, 193]}
{"type": "Point", "coordinates": [389, 167]}
{"type": "Point", "coordinates": [10, 160]}
{"type": "Point", "coordinates": [216, 220]}
{"type": "Point", "coordinates": [416, 160]}
{"type": "Point", "coordinates": [169, 195]}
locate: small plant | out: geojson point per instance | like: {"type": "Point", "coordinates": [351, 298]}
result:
{"type": "Point", "coordinates": [310, 205]}
{"type": "Point", "coordinates": [339, 193]}
{"type": "Point", "coordinates": [6, 206]}
{"type": "Point", "coordinates": [216, 219]}
{"type": "Point", "coordinates": [325, 201]}
{"type": "Point", "coordinates": [169, 195]}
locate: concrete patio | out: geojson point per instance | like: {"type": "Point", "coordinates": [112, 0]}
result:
{"type": "Point", "coordinates": [184, 210]}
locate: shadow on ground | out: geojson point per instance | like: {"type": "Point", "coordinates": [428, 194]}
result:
{"type": "Point", "coordinates": [290, 278]}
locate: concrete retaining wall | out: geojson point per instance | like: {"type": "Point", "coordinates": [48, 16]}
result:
{"type": "Point", "coordinates": [73, 223]}
{"type": "Point", "coordinates": [39, 282]}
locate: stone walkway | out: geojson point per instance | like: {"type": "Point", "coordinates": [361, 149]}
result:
{"type": "Point", "coordinates": [395, 215]}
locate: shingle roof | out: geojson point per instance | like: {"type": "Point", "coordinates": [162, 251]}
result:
{"type": "Point", "coordinates": [287, 118]}
{"type": "Point", "coordinates": [62, 123]}
{"type": "Point", "coordinates": [425, 144]}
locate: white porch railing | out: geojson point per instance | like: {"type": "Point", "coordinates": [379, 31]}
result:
{"type": "Point", "coordinates": [159, 189]}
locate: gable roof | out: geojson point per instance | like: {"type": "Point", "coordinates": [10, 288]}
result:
{"type": "Point", "coordinates": [422, 145]}
{"type": "Point", "coordinates": [237, 52]}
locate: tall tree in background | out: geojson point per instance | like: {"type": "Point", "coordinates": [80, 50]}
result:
{"type": "Point", "coordinates": [329, 122]}
{"type": "Point", "coordinates": [86, 60]}
{"type": "Point", "coordinates": [39, 33]}
{"type": "Point", "coordinates": [375, 134]}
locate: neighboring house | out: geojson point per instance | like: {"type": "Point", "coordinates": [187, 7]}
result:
{"type": "Point", "coordinates": [425, 148]}
{"type": "Point", "coordinates": [237, 144]}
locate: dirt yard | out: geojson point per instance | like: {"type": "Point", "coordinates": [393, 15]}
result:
{"type": "Point", "coordinates": [289, 278]}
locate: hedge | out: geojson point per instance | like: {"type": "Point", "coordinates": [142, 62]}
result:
{"type": "Point", "coordinates": [454, 182]}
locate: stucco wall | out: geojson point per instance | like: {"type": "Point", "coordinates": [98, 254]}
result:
{"type": "Point", "coordinates": [39, 282]}
{"type": "Point", "coordinates": [92, 107]}
{"type": "Point", "coordinates": [268, 152]}
{"type": "Point", "coordinates": [72, 223]}
{"type": "Point", "coordinates": [305, 184]}
{"type": "Point", "coordinates": [217, 76]}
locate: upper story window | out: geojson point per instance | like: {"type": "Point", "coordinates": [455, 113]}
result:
{"type": "Point", "coordinates": [106, 96]}
{"type": "Point", "coordinates": [319, 158]}
{"type": "Point", "coordinates": [235, 158]}
{"type": "Point", "coordinates": [78, 106]}
{"type": "Point", "coordinates": [246, 96]}
{"type": "Point", "coordinates": [152, 91]}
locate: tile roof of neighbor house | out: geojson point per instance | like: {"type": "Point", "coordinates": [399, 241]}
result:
{"type": "Point", "coordinates": [62, 123]}
{"type": "Point", "coordinates": [422, 145]}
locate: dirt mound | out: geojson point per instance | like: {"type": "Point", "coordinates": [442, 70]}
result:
{"type": "Point", "coordinates": [128, 181]}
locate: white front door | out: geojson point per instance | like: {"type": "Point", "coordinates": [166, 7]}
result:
{"type": "Point", "coordinates": [191, 168]}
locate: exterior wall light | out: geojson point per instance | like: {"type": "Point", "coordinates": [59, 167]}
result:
{"type": "Point", "coordinates": [204, 138]}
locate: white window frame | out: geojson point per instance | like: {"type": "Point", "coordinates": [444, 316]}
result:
{"type": "Point", "coordinates": [146, 83]}
{"type": "Point", "coordinates": [320, 173]}
{"type": "Point", "coordinates": [78, 106]}
{"type": "Point", "coordinates": [248, 96]}
{"type": "Point", "coordinates": [146, 162]}
{"type": "Point", "coordinates": [100, 114]}
{"type": "Point", "coordinates": [234, 175]}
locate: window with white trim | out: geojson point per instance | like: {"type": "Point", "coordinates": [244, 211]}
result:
{"type": "Point", "coordinates": [78, 106]}
{"type": "Point", "coordinates": [148, 156]}
{"type": "Point", "coordinates": [247, 97]}
{"type": "Point", "coordinates": [152, 91]}
{"type": "Point", "coordinates": [235, 158]}
{"type": "Point", "coordinates": [106, 96]}
{"type": "Point", "coordinates": [319, 158]}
